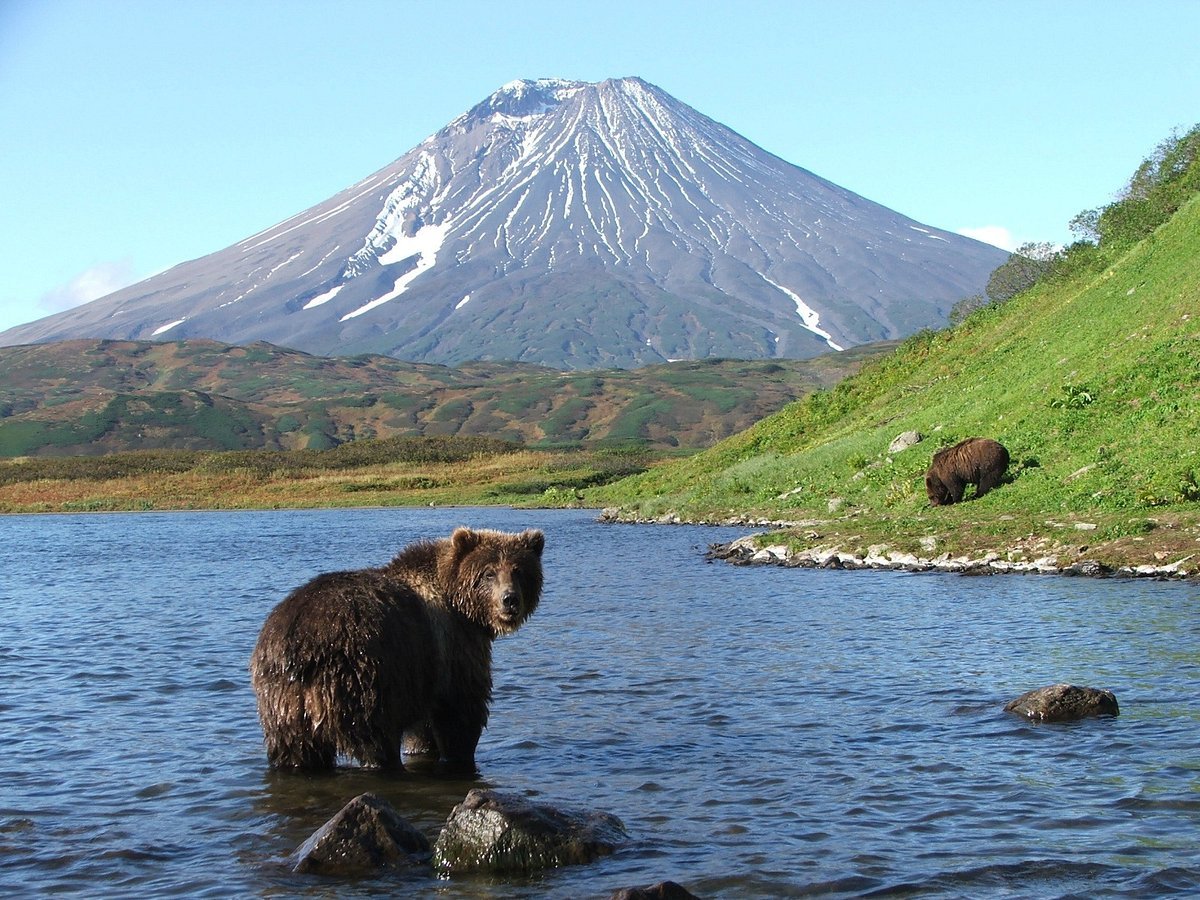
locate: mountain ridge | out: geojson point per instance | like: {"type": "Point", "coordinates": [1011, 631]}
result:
{"type": "Point", "coordinates": [570, 224]}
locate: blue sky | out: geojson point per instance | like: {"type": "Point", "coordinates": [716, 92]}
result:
{"type": "Point", "coordinates": [141, 133]}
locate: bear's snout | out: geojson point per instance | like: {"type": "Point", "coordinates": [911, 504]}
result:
{"type": "Point", "coordinates": [511, 601]}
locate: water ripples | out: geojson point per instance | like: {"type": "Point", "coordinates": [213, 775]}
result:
{"type": "Point", "coordinates": [762, 732]}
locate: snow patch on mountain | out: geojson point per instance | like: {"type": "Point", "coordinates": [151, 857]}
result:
{"type": "Point", "coordinates": [426, 242]}
{"type": "Point", "coordinates": [324, 298]}
{"type": "Point", "coordinates": [320, 262]}
{"type": "Point", "coordinates": [807, 314]}
{"type": "Point", "coordinates": [928, 233]}
{"type": "Point", "coordinates": [294, 256]}
{"type": "Point", "coordinates": [424, 245]}
{"type": "Point", "coordinates": [163, 329]}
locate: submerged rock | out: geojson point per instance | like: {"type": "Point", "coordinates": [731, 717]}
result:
{"type": "Point", "coordinates": [1064, 703]}
{"type": "Point", "coordinates": [499, 832]}
{"type": "Point", "coordinates": [365, 835]}
{"type": "Point", "coordinates": [664, 890]}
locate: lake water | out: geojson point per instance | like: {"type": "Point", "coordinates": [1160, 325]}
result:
{"type": "Point", "coordinates": [762, 732]}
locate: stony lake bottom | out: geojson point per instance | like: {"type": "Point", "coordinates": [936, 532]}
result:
{"type": "Point", "coordinates": [762, 732]}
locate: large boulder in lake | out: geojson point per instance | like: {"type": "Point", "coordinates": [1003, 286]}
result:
{"type": "Point", "coordinates": [366, 834]}
{"type": "Point", "coordinates": [1064, 703]}
{"type": "Point", "coordinates": [496, 832]}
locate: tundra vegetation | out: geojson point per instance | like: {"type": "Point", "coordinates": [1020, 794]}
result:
{"type": "Point", "coordinates": [112, 425]}
{"type": "Point", "coordinates": [1089, 375]}
{"type": "Point", "coordinates": [417, 471]}
{"type": "Point", "coordinates": [95, 397]}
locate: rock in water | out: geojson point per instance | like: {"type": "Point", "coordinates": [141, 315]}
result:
{"type": "Point", "coordinates": [365, 835]}
{"type": "Point", "coordinates": [664, 890]}
{"type": "Point", "coordinates": [497, 832]}
{"type": "Point", "coordinates": [1064, 703]}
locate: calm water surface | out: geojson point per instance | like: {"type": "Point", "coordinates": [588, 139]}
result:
{"type": "Point", "coordinates": [761, 732]}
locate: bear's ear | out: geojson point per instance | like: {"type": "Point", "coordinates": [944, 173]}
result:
{"type": "Point", "coordinates": [534, 540]}
{"type": "Point", "coordinates": [464, 540]}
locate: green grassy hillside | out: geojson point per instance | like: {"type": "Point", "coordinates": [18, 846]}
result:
{"type": "Point", "coordinates": [1091, 379]}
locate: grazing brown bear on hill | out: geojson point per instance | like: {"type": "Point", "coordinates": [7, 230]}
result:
{"type": "Point", "coordinates": [347, 662]}
{"type": "Point", "coordinates": [978, 461]}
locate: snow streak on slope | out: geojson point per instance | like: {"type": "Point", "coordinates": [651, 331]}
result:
{"type": "Point", "coordinates": [807, 314]}
{"type": "Point", "coordinates": [325, 297]}
{"type": "Point", "coordinates": [163, 329]}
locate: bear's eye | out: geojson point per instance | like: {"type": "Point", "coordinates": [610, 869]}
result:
{"type": "Point", "coordinates": [489, 572]}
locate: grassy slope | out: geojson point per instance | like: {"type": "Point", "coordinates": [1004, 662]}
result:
{"type": "Point", "coordinates": [1093, 384]}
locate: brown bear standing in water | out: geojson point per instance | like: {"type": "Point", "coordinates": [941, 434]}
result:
{"type": "Point", "coordinates": [978, 461]}
{"type": "Point", "coordinates": [347, 662]}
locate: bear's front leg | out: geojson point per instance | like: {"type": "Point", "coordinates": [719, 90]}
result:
{"type": "Point", "coordinates": [457, 735]}
{"type": "Point", "coordinates": [956, 487]}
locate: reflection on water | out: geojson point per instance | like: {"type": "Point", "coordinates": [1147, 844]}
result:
{"type": "Point", "coordinates": [761, 732]}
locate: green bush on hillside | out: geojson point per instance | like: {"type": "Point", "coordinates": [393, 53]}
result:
{"type": "Point", "coordinates": [100, 468]}
{"type": "Point", "coordinates": [1163, 182]}
{"type": "Point", "coordinates": [1027, 266]}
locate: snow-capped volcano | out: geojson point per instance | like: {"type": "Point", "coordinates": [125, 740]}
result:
{"type": "Point", "coordinates": [570, 224]}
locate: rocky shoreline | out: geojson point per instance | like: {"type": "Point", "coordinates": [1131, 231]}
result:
{"type": "Point", "coordinates": [746, 551]}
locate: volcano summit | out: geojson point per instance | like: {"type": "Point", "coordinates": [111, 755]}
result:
{"type": "Point", "coordinates": [570, 224]}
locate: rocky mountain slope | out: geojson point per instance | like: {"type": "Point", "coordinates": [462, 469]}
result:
{"type": "Point", "coordinates": [567, 224]}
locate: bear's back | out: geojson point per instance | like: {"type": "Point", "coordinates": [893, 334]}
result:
{"type": "Point", "coordinates": [364, 613]}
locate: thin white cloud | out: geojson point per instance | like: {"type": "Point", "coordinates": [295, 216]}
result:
{"type": "Point", "coordinates": [996, 235]}
{"type": "Point", "coordinates": [88, 285]}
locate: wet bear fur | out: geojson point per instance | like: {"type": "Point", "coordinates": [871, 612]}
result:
{"type": "Point", "coordinates": [349, 661]}
{"type": "Point", "coordinates": [979, 461]}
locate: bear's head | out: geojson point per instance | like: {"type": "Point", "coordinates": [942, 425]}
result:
{"type": "Point", "coordinates": [938, 493]}
{"type": "Point", "coordinates": [495, 577]}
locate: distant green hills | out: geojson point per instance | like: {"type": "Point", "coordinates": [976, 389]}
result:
{"type": "Point", "coordinates": [1091, 378]}
{"type": "Point", "coordinates": [94, 397]}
